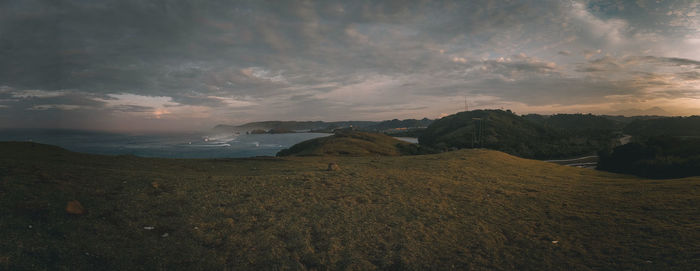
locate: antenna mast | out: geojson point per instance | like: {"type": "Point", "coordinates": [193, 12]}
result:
{"type": "Point", "coordinates": [466, 107]}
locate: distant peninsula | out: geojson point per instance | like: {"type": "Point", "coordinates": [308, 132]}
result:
{"type": "Point", "coordinates": [406, 127]}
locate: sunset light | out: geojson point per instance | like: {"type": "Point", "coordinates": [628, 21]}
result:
{"type": "Point", "coordinates": [349, 135]}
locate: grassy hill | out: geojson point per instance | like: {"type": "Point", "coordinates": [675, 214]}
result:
{"type": "Point", "coordinates": [655, 157]}
{"type": "Point", "coordinates": [461, 130]}
{"type": "Point", "coordinates": [388, 125]}
{"type": "Point", "coordinates": [351, 143]}
{"type": "Point", "coordinates": [469, 209]}
{"type": "Point", "coordinates": [513, 134]}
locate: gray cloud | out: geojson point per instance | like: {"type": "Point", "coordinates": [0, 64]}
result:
{"type": "Point", "coordinates": [249, 60]}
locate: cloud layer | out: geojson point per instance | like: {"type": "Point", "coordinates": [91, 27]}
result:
{"type": "Point", "coordinates": [144, 65]}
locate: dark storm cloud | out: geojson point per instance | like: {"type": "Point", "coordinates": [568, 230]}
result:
{"type": "Point", "coordinates": [645, 65]}
{"type": "Point", "coordinates": [674, 61]}
{"type": "Point", "coordinates": [146, 46]}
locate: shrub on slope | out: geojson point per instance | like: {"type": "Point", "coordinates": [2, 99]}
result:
{"type": "Point", "coordinates": [658, 157]}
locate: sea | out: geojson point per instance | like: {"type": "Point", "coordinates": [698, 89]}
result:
{"type": "Point", "coordinates": [165, 145]}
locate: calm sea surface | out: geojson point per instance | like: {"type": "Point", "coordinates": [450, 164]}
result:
{"type": "Point", "coordinates": [192, 145]}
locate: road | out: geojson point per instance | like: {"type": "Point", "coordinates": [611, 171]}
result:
{"type": "Point", "coordinates": [590, 161]}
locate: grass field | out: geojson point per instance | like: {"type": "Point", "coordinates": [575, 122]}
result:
{"type": "Point", "coordinates": [469, 209]}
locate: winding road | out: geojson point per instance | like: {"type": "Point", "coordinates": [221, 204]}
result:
{"type": "Point", "coordinates": [590, 161]}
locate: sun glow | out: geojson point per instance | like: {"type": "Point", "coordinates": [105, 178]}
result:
{"type": "Point", "coordinates": [160, 112]}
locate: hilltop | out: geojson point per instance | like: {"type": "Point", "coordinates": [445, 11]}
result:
{"type": "Point", "coordinates": [469, 209]}
{"type": "Point", "coordinates": [576, 122]}
{"type": "Point", "coordinates": [513, 134]}
{"type": "Point", "coordinates": [661, 147]}
{"type": "Point", "coordinates": [352, 143]}
{"type": "Point", "coordinates": [665, 126]}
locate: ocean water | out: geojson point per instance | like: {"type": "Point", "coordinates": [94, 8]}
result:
{"type": "Point", "coordinates": [408, 139]}
{"type": "Point", "coordinates": [189, 145]}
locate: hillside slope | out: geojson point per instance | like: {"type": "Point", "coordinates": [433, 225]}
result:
{"type": "Point", "coordinates": [513, 134]}
{"type": "Point", "coordinates": [470, 209]}
{"type": "Point", "coordinates": [351, 143]}
{"type": "Point", "coordinates": [667, 126]}
{"type": "Point", "coordinates": [494, 129]}
{"type": "Point", "coordinates": [655, 157]}
{"type": "Point", "coordinates": [576, 122]}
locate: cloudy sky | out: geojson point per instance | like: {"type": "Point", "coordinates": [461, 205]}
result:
{"type": "Point", "coordinates": [136, 65]}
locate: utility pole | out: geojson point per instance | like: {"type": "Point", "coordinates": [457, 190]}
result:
{"type": "Point", "coordinates": [475, 133]}
{"type": "Point", "coordinates": [466, 107]}
{"type": "Point", "coordinates": [481, 133]}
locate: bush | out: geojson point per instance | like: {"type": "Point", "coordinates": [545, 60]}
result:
{"type": "Point", "coordinates": [657, 157]}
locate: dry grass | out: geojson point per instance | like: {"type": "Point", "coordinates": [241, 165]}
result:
{"type": "Point", "coordinates": [348, 143]}
{"type": "Point", "coordinates": [471, 209]}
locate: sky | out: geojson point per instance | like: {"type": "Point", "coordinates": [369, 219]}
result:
{"type": "Point", "coordinates": [142, 65]}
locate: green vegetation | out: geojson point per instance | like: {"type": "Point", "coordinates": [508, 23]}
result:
{"type": "Point", "coordinates": [470, 209]}
{"type": "Point", "coordinates": [627, 120]}
{"type": "Point", "coordinates": [540, 137]}
{"type": "Point", "coordinates": [413, 132]}
{"type": "Point", "coordinates": [657, 157]}
{"type": "Point", "coordinates": [353, 143]}
{"type": "Point", "coordinates": [390, 125]}
{"type": "Point", "coordinates": [662, 147]}
{"type": "Point", "coordinates": [576, 122]}
{"type": "Point", "coordinates": [669, 126]}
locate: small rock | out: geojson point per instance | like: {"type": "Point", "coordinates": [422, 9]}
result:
{"type": "Point", "coordinates": [555, 242]}
{"type": "Point", "coordinates": [148, 228]}
{"type": "Point", "coordinates": [30, 226]}
{"type": "Point", "coordinates": [333, 167]}
{"type": "Point", "coordinates": [165, 235]}
{"type": "Point", "coordinates": [74, 207]}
